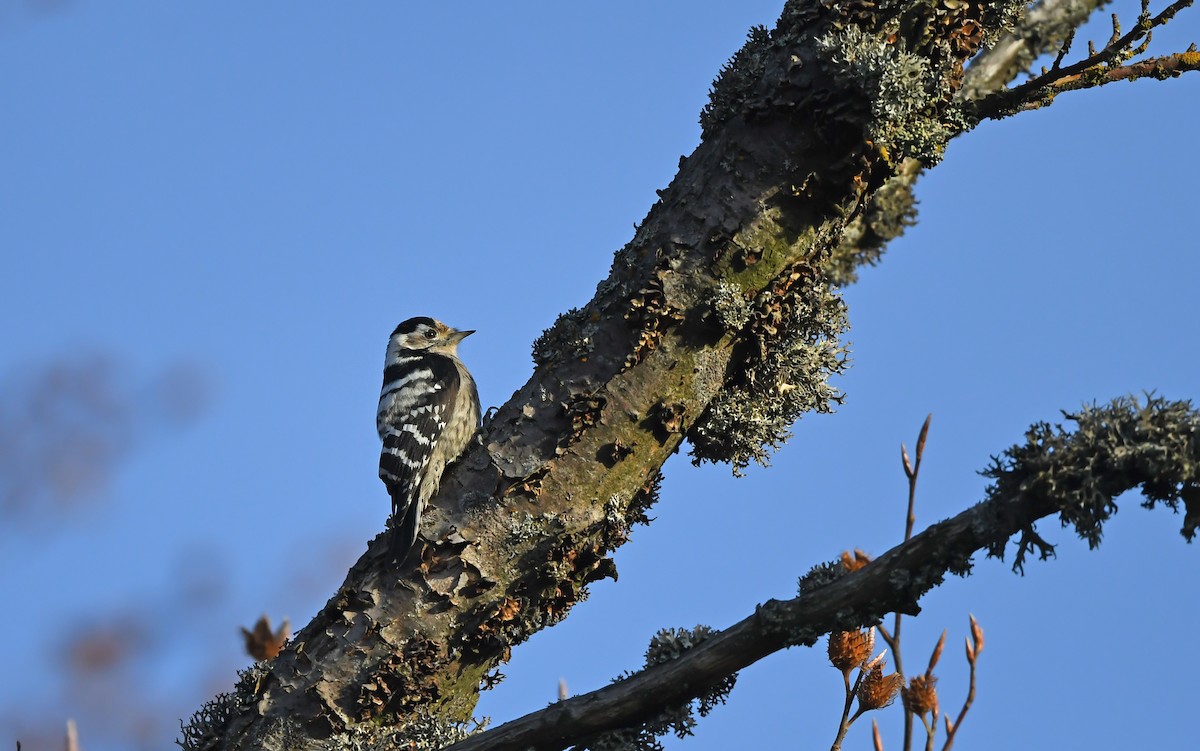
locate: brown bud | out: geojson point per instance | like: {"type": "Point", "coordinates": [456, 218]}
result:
{"type": "Point", "coordinates": [921, 438]}
{"type": "Point", "coordinates": [850, 649]}
{"type": "Point", "coordinates": [937, 653]}
{"type": "Point", "coordinates": [976, 635]}
{"type": "Point", "coordinates": [920, 697]}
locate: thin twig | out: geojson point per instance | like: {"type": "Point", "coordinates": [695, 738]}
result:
{"type": "Point", "coordinates": [847, 721]}
{"type": "Point", "coordinates": [1063, 51]}
{"type": "Point", "coordinates": [1038, 91]}
{"type": "Point", "coordinates": [1042, 31]}
{"type": "Point", "coordinates": [911, 471]}
{"type": "Point", "coordinates": [974, 647]}
{"type": "Point", "coordinates": [929, 732]}
{"type": "Point", "coordinates": [1167, 66]}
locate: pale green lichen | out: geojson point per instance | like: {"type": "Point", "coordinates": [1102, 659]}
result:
{"type": "Point", "coordinates": [731, 306]}
{"type": "Point", "coordinates": [891, 210]}
{"type": "Point", "coordinates": [900, 86]}
{"type": "Point", "coordinates": [787, 377]}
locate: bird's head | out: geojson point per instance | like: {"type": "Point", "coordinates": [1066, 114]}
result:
{"type": "Point", "coordinates": [427, 334]}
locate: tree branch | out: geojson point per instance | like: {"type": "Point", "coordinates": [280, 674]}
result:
{"type": "Point", "coordinates": [717, 323]}
{"type": "Point", "coordinates": [1158, 68]}
{"type": "Point", "coordinates": [1098, 68]}
{"type": "Point", "coordinates": [1046, 27]}
{"type": "Point", "coordinates": [1155, 446]}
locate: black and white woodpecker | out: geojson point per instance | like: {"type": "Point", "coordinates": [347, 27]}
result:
{"type": "Point", "coordinates": [428, 414]}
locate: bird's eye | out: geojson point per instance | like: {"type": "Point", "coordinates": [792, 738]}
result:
{"type": "Point", "coordinates": [430, 334]}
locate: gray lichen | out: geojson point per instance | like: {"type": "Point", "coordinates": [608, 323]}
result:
{"type": "Point", "coordinates": [786, 378]}
{"type": "Point", "coordinates": [899, 85]}
{"type": "Point", "coordinates": [737, 79]}
{"type": "Point", "coordinates": [1114, 447]}
{"type": "Point", "coordinates": [891, 210]}
{"type": "Point", "coordinates": [819, 576]}
{"type": "Point", "coordinates": [207, 727]}
{"type": "Point", "coordinates": [731, 306]}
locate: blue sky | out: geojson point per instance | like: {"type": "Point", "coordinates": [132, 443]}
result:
{"type": "Point", "coordinates": [255, 194]}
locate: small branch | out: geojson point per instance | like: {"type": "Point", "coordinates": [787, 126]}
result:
{"type": "Point", "coordinates": [1045, 27]}
{"type": "Point", "coordinates": [952, 728]}
{"type": "Point", "coordinates": [1096, 69]}
{"type": "Point", "coordinates": [1116, 45]}
{"type": "Point", "coordinates": [1063, 51]}
{"type": "Point", "coordinates": [846, 721]}
{"type": "Point", "coordinates": [930, 731]}
{"type": "Point", "coordinates": [843, 604]}
{"type": "Point", "coordinates": [1157, 450]}
{"type": "Point", "coordinates": [974, 647]}
{"type": "Point", "coordinates": [1159, 68]}
{"type": "Point", "coordinates": [912, 472]}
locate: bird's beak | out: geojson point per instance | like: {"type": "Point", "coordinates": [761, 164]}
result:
{"type": "Point", "coordinates": [457, 336]}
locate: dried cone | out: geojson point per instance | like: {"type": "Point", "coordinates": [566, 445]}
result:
{"type": "Point", "coordinates": [850, 649]}
{"type": "Point", "coordinates": [920, 697]}
{"type": "Point", "coordinates": [878, 690]}
{"type": "Point", "coordinates": [852, 563]}
{"type": "Point", "coordinates": [262, 643]}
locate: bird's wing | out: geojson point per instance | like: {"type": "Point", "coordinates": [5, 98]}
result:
{"type": "Point", "coordinates": [419, 408]}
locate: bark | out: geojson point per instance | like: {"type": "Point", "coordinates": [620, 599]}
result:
{"type": "Point", "coordinates": [717, 322]}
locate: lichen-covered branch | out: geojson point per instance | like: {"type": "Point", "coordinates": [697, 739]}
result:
{"type": "Point", "coordinates": [1046, 27]}
{"type": "Point", "coordinates": [1154, 446]}
{"type": "Point", "coordinates": [719, 322]}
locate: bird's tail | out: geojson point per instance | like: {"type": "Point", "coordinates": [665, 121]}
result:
{"type": "Point", "coordinates": [405, 523]}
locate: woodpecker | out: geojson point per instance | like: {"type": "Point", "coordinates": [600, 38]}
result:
{"type": "Point", "coordinates": [428, 413]}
